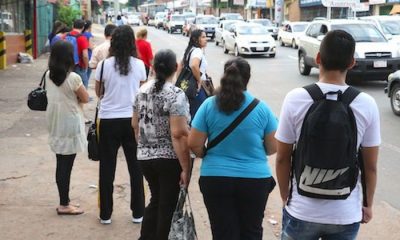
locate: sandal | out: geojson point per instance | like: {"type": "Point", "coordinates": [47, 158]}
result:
{"type": "Point", "coordinates": [69, 210]}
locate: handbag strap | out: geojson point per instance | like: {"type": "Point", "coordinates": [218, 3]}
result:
{"type": "Point", "coordinates": [233, 125]}
{"type": "Point", "coordinates": [43, 81]}
{"type": "Point", "coordinates": [101, 86]}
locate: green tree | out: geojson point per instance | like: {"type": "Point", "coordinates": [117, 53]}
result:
{"type": "Point", "coordinates": [67, 15]}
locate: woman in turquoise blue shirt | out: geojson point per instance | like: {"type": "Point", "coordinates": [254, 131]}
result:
{"type": "Point", "coordinates": [235, 177]}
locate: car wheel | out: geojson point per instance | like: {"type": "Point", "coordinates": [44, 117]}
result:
{"type": "Point", "coordinates": [216, 42]}
{"type": "Point", "coordinates": [303, 67]}
{"type": "Point", "coordinates": [236, 51]}
{"type": "Point", "coordinates": [294, 44]}
{"type": "Point", "coordinates": [395, 99]}
{"type": "Point", "coordinates": [281, 42]}
{"type": "Point", "coordinates": [225, 49]}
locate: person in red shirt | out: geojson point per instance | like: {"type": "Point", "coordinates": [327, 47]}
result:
{"type": "Point", "coordinates": [145, 53]}
{"type": "Point", "coordinates": [83, 45]}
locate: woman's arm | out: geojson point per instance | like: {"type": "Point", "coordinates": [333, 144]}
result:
{"type": "Point", "coordinates": [197, 140]}
{"type": "Point", "coordinates": [270, 143]}
{"type": "Point", "coordinates": [179, 134]}
{"type": "Point", "coordinates": [135, 125]}
{"type": "Point", "coordinates": [82, 94]}
{"type": "Point", "coordinates": [195, 66]}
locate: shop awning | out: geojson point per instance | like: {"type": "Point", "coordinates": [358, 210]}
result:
{"type": "Point", "coordinates": [395, 9]}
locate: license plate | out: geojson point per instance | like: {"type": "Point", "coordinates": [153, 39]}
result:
{"type": "Point", "coordinates": [260, 48]}
{"type": "Point", "coordinates": [380, 64]}
{"type": "Point", "coordinates": [209, 34]}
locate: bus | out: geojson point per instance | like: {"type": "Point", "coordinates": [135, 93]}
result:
{"type": "Point", "coordinates": [149, 10]}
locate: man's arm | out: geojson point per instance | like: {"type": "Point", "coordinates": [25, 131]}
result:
{"type": "Point", "coordinates": [85, 58]}
{"type": "Point", "coordinates": [283, 168]}
{"type": "Point", "coordinates": [370, 158]}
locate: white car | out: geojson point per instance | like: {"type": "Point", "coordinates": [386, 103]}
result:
{"type": "Point", "coordinates": [268, 24]}
{"type": "Point", "coordinates": [134, 20]}
{"type": "Point", "coordinates": [389, 25]}
{"type": "Point", "coordinates": [249, 39]}
{"type": "Point", "coordinates": [290, 33]}
{"type": "Point", "coordinates": [375, 57]}
{"type": "Point", "coordinates": [222, 30]}
{"type": "Point", "coordinates": [159, 19]}
{"type": "Point", "coordinates": [175, 23]}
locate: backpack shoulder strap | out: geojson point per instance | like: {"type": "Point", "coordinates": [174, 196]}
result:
{"type": "Point", "coordinates": [314, 91]}
{"type": "Point", "coordinates": [349, 95]}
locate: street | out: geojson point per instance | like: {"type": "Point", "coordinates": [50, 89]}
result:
{"type": "Point", "coordinates": [28, 193]}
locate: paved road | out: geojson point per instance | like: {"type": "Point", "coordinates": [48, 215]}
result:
{"type": "Point", "coordinates": [272, 78]}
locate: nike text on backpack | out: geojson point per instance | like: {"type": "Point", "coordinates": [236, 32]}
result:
{"type": "Point", "coordinates": [325, 161]}
{"type": "Point", "coordinates": [73, 39]}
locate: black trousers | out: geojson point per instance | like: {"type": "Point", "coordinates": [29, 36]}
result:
{"type": "Point", "coordinates": [113, 134]}
{"type": "Point", "coordinates": [236, 206]}
{"type": "Point", "coordinates": [63, 176]}
{"type": "Point", "coordinates": [163, 176]}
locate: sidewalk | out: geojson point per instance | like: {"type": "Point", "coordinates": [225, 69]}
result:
{"type": "Point", "coordinates": [28, 193]}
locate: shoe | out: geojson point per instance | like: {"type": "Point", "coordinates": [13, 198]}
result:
{"type": "Point", "coordinates": [105, 222]}
{"type": "Point", "coordinates": [137, 220]}
{"type": "Point", "coordinates": [70, 210]}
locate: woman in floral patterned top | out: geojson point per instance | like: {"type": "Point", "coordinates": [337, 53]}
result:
{"type": "Point", "coordinates": [161, 121]}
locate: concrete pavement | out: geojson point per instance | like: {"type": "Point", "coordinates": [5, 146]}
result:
{"type": "Point", "coordinates": [28, 193]}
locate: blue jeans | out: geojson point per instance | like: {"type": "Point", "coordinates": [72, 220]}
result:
{"type": "Point", "coordinates": [83, 74]}
{"type": "Point", "coordinates": [295, 229]}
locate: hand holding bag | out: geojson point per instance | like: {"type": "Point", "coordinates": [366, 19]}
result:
{"type": "Point", "coordinates": [37, 99]}
{"type": "Point", "coordinates": [208, 86]}
{"type": "Point", "coordinates": [182, 225]}
{"type": "Point", "coordinates": [92, 136]}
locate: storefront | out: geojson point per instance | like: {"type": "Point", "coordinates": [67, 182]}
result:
{"type": "Point", "coordinates": [18, 16]}
{"type": "Point", "coordinates": [383, 7]}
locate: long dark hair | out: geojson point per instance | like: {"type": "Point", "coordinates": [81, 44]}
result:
{"type": "Point", "coordinates": [122, 48]}
{"type": "Point", "coordinates": [57, 26]}
{"type": "Point", "coordinates": [236, 76]}
{"type": "Point", "coordinates": [61, 61]}
{"type": "Point", "coordinates": [164, 66]}
{"type": "Point", "coordinates": [194, 41]}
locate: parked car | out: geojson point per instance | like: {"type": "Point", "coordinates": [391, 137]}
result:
{"type": "Point", "coordinates": [375, 57]}
{"type": "Point", "coordinates": [175, 23]}
{"type": "Point", "coordinates": [290, 33]}
{"type": "Point", "coordinates": [206, 22]}
{"type": "Point", "coordinates": [230, 16]}
{"type": "Point", "coordinates": [159, 19]}
{"type": "Point", "coordinates": [134, 20]}
{"type": "Point", "coordinates": [223, 29]}
{"type": "Point", "coordinates": [268, 24]}
{"type": "Point", "coordinates": [393, 91]}
{"type": "Point", "coordinates": [389, 25]}
{"type": "Point", "coordinates": [249, 39]}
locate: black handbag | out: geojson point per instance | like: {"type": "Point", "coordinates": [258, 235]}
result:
{"type": "Point", "coordinates": [92, 136]}
{"type": "Point", "coordinates": [186, 80]}
{"type": "Point", "coordinates": [37, 99]}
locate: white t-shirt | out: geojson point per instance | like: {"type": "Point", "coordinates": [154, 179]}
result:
{"type": "Point", "coordinates": [198, 53]}
{"type": "Point", "coordinates": [120, 90]}
{"type": "Point", "coordinates": [294, 109]}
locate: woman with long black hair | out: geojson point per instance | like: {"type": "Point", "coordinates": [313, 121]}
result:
{"type": "Point", "coordinates": [194, 54]}
{"type": "Point", "coordinates": [235, 177]}
{"type": "Point", "coordinates": [122, 74]}
{"type": "Point", "coordinates": [161, 122]}
{"type": "Point", "coordinates": [65, 121]}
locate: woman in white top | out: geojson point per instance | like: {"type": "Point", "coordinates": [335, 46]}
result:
{"type": "Point", "coordinates": [198, 64]}
{"type": "Point", "coordinates": [122, 74]}
{"type": "Point", "coordinates": [65, 120]}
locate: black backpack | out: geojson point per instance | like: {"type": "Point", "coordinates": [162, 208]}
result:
{"type": "Point", "coordinates": [325, 160]}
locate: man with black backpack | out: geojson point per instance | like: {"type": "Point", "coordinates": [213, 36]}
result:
{"type": "Point", "coordinates": [327, 150]}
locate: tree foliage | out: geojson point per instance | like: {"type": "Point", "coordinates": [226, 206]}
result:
{"type": "Point", "coordinates": [67, 15]}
